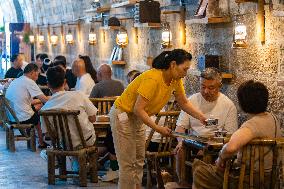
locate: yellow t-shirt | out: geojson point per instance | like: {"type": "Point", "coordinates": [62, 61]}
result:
{"type": "Point", "coordinates": [151, 86]}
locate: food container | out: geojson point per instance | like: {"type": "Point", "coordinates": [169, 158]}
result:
{"type": "Point", "coordinates": [211, 122]}
{"type": "Point", "coordinates": [222, 133]}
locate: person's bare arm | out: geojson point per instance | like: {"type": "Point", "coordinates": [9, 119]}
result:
{"type": "Point", "coordinates": [36, 101]}
{"type": "Point", "coordinates": [43, 98]}
{"type": "Point", "coordinates": [234, 145]}
{"type": "Point", "coordinates": [139, 110]}
{"type": "Point", "coordinates": [187, 106]}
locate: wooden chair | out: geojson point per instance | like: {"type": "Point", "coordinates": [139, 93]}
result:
{"type": "Point", "coordinates": [58, 127]}
{"type": "Point", "coordinates": [11, 127]}
{"type": "Point", "coordinates": [165, 148]}
{"type": "Point", "coordinates": [103, 104]}
{"type": "Point", "coordinates": [247, 171]}
{"type": "Point", "coordinates": [102, 128]}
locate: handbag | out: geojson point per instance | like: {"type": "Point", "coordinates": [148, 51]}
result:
{"type": "Point", "coordinates": [149, 11]}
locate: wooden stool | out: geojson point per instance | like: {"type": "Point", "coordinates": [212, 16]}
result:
{"type": "Point", "coordinates": [11, 137]}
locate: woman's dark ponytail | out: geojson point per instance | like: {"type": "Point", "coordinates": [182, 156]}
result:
{"type": "Point", "coordinates": [163, 60]}
{"type": "Point", "coordinates": [159, 61]}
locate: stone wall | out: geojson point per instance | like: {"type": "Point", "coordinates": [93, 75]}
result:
{"type": "Point", "coordinates": [259, 62]}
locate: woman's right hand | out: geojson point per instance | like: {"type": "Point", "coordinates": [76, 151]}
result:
{"type": "Point", "coordinates": [164, 130]}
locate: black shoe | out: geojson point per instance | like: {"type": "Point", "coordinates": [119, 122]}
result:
{"type": "Point", "coordinates": [44, 145]}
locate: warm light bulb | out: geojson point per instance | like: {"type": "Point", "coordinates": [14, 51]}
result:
{"type": "Point", "coordinates": [41, 39]}
{"type": "Point", "coordinates": [240, 36]}
{"type": "Point", "coordinates": [31, 38]}
{"type": "Point", "coordinates": [92, 37]}
{"type": "Point", "coordinates": [166, 36]}
{"type": "Point", "coordinates": [53, 39]}
{"type": "Point", "coordinates": [69, 38]}
{"type": "Point", "coordinates": [240, 32]}
{"type": "Point", "coordinates": [122, 38]}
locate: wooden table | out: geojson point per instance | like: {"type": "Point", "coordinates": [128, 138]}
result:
{"type": "Point", "coordinates": [101, 129]}
{"type": "Point", "coordinates": [210, 148]}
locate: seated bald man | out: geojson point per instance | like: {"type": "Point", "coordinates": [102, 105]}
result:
{"type": "Point", "coordinates": [106, 86]}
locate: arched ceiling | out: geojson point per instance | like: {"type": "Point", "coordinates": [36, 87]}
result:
{"type": "Point", "coordinates": [39, 12]}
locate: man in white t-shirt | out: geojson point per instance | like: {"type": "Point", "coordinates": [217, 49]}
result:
{"type": "Point", "coordinates": [21, 93]}
{"type": "Point", "coordinates": [213, 104]}
{"type": "Point", "coordinates": [71, 100]}
{"type": "Point", "coordinates": [84, 83]}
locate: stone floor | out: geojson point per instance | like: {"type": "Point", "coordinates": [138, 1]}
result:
{"type": "Point", "coordinates": [24, 169]}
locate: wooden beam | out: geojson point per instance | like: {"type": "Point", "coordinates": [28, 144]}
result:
{"type": "Point", "coordinates": [261, 21]}
{"type": "Point", "coordinates": [182, 25]}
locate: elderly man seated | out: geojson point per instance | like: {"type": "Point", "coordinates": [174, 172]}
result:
{"type": "Point", "coordinates": [213, 104]}
{"type": "Point", "coordinates": [253, 99]}
{"type": "Point", "coordinates": [71, 100]}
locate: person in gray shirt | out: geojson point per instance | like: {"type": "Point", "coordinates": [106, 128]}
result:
{"type": "Point", "coordinates": [107, 86]}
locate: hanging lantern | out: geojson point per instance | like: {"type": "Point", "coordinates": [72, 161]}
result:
{"type": "Point", "coordinates": [92, 37]}
{"type": "Point", "coordinates": [54, 39]}
{"type": "Point", "coordinates": [240, 35]}
{"type": "Point", "coordinates": [122, 38]}
{"type": "Point", "coordinates": [41, 39]}
{"type": "Point", "coordinates": [32, 39]}
{"type": "Point", "coordinates": [166, 36]}
{"type": "Point", "coordinates": [69, 37]}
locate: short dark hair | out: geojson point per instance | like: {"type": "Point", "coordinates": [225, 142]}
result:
{"type": "Point", "coordinates": [55, 77]}
{"type": "Point", "coordinates": [38, 56]}
{"type": "Point", "coordinates": [253, 97]}
{"type": "Point", "coordinates": [59, 63]}
{"type": "Point", "coordinates": [163, 60]}
{"type": "Point", "coordinates": [30, 67]}
{"type": "Point", "coordinates": [43, 56]}
{"type": "Point", "coordinates": [62, 59]}
{"type": "Point", "coordinates": [14, 57]}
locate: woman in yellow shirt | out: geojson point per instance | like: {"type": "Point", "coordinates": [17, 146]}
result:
{"type": "Point", "coordinates": [145, 96]}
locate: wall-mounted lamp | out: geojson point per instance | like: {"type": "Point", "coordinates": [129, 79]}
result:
{"type": "Point", "coordinates": [32, 39]}
{"type": "Point", "coordinates": [166, 36]}
{"type": "Point", "coordinates": [92, 37]}
{"type": "Point", "coordinates": [69, 37]}
{"type": "Point", "coordinates": [122, 38]}
{"type": "Point", "coordinates": [54, 39]}
{"type": "Point", "coordinates": [40, 38]}
{"type": "Point", "coordinates": [240, 35]}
